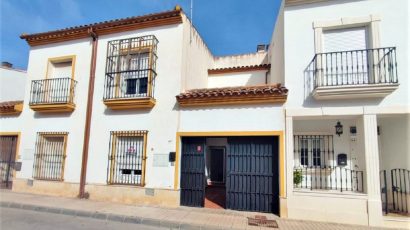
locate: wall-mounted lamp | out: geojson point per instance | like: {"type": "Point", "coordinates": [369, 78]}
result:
{"type": "Point", "coordinates": [339, 128]}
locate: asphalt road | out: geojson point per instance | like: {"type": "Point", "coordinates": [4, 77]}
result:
{"type": "Point", "coordinates": [19, 219]}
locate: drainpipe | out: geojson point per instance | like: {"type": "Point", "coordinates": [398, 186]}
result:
{"type": "Point", "coordinates": [93, 35]}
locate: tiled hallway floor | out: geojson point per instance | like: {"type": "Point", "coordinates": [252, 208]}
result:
{"type": "Point", "coordinates": [215, 197]}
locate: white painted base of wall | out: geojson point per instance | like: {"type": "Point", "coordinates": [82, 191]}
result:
{"type": "Point", "coordinates": [336, 208]}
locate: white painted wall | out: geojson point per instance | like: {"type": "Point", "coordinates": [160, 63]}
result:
{"type": "Point", "coordinates": [299, 45]}
{"type": "Point", "coordinates": [276, 50]}
{"type": "Point", "coordinates": [345, 143]}
{"type": "Point", "coordinates": [161, 121]}
{"type": "Point", "coordinates": [249, 59]}
{"type": "Point", "coordinates": [250, 78]}
{"type": "Point", "coordinates": [12, 83]}
{"type": "Point", "coordinates": [196, 58]}
{"type": "Point", "coordinates": [232, 118]}
{"type": "Point", "coordinates": [394, 142]}
{"type": "Point", "coordinates": [32, 122]}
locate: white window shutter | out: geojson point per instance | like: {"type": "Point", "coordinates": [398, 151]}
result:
{"type": "Point", "coordinates": [345, 39]}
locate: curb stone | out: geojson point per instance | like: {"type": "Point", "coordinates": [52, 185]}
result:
{"type": "Point", "coordinates": [107, 216]}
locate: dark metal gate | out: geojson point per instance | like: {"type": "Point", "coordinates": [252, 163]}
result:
{"type": "Point", "coordinates": [8, 146]}
{"type": "Point", "coordinates": [193, 171]}
{"type": "Point", "coordinates": [400, 190]}
{"type": "Point", "coordinates": [253, 174]}
{"type": "Point", "coordinates": [395, 191]}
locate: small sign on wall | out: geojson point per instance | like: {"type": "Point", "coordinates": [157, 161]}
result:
{"type": "Point", "coordinates": [160, 160]}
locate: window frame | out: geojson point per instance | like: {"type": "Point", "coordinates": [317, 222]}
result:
{"type": "Point", "coordinates": [114, 136]}
{"type": "Point", "coordinates": [39, 151]}
{"type": "Point", "coordinates": [311, 159]}
{"type": "Point", "coordinates": [118, 63]}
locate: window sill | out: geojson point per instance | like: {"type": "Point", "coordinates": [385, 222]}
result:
{"type": "Point", "coordinates": [130, 103]}
{"type": "Point", "coordinates": [53, 107]}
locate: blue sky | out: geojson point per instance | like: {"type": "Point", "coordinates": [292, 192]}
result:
{"type": "Point", "coordinates": [227, 26]}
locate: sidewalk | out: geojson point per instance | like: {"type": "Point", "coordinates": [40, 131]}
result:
{"type": "Point", "coordinates": [173, 218]}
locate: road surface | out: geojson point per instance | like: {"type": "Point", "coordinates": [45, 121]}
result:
{"type": "Point", "coordinates": [19, 219]}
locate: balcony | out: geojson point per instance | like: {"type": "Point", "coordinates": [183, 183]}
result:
{"type": "Point", "coordinates": [351, 74]}
{"type": "Point", "coordinates": [52, 95]}
{"type": "Point", "coordinates": [130, 73]}
{"type": "Point", "coordinates": [130, 90]}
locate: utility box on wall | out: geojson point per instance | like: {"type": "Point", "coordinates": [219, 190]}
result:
{"type": "Point", "coordinates": [342, 159]}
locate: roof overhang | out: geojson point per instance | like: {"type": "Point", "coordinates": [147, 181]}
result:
{"type": "Point", "coordinates": [106, 27]}
{"type": "Point", "coordinates": [234, 95]}
{"type": "Point", "coordinates": [11, 107]}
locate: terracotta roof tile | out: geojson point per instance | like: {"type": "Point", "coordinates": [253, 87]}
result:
{"type": "Point", "coordinates": [275, 89]}
{"type": "Point", "coordinates": [230, 95]}
{"type": "Point", "coordinates": [8, 107]}
{"type": "Point", "coordinates": [239, 68]}
{"type": "Point", "coordinates": [8, 104]}
{"type": "Point", "coordinates": [105, 27]}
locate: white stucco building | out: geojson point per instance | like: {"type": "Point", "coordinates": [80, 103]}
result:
{"type": "Point", "coordinates": [140, 111]}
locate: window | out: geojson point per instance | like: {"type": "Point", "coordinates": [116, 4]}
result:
{"type": "Point", "coordinates": [346, 59]}
{"type": "Point", "coordinates": [127, 157]}
{"type": "Point", "coordinates": [310, 149]}
{"type": "Point", "coordinates": [304, 157]}
{"type": "Point", "coordinates": [316, 152]}
{"type": "Point", "coordinates": [130, 68]}
{"type": "Point", "coordinates": [50, 156]}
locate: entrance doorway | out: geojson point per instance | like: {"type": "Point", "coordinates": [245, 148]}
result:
{"type": "Point", "coordinates": [239, 173]}
{"type": "Point", "coordinates": [215, 160]}
{"type": "Point", "coordinates": [8, 145]}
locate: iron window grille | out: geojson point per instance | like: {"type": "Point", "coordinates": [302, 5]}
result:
{"type": "Point", "coordinates": [130, 68]}
{"type": "Point", "coordinates": [52, 91]}
{"type": "Point", "coordinates": [315, 161]}
{"type": "Point", "coordinates": [354, 67]}
{"type": "Point", "coordinates": [50, 155]}
{"type": "Point", "coordinates": [126, 157]}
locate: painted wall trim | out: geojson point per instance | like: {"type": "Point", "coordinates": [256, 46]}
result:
{"type": "Point", "coordinates": [134, 103]}
{"type": "Point", "coordinates": [371, 22]}
{"type": "Point", "coordinates": [60, 59]}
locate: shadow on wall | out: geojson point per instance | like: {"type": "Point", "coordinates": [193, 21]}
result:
{"type": "Point", "coordinates": [136, 111]}
{"type": "Point", "coordinates": [219, 107]}
{"type": "Point", "coordinates": [39, 115]}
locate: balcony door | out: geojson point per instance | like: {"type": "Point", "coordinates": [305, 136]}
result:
{"type": "Point", "coordinates": [135, 80]}
{"type": "Point", "coordinates": [345, 58]}
{"type": "Point", "coordinates": [58, 87]}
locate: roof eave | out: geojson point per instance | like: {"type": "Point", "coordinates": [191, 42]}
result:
{"type": "Point", "coordinates": [103, 28]}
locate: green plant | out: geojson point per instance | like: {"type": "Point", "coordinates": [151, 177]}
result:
{"type": "Point", "coordinates": [297, 177]}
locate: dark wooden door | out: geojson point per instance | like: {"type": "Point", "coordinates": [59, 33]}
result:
{"type": "Point", "coordinates": [8, 146]}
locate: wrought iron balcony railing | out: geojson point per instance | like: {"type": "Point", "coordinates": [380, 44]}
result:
{"type": "Point", "coordinates": [130, 72]}
{"type": "Point", "coordinates": [52, 91]}
{"type": "Point", "coordinates": [355, 67]}
{"type": "Point", "coordinates": [130, 84]}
